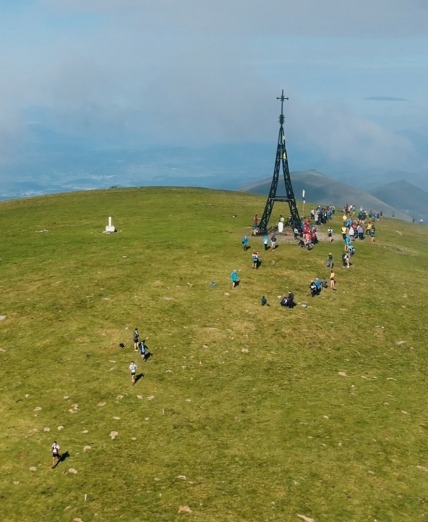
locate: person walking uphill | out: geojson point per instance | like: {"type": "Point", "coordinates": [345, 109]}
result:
{"type": "Point", "coordinates": [234, 278]}
{"type": "Point", "coordinates": [133, 370]}
{"type": "Point", "coordinates": [136, 339]}
{"type": "Point", "coordinates": [55, 453]}
{"type": "Point", "coordinates": [332, 280]}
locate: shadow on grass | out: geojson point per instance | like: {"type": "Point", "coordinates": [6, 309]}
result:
{"type": "Point", "coordinates": [138, 377]}
{"type": "Point", "coordinates": [64, 456]}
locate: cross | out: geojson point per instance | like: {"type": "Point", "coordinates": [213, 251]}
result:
{"type": "Point", "coordinates": [282, 98]}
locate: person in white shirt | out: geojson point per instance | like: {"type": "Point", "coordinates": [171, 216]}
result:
{"type": "Point", "coordinates": [55, 453]}
{"type": "Point", "coordinates": [133, 370]}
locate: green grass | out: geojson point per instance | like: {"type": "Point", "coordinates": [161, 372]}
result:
{"type": "Point", "coordinates": [245, 413]}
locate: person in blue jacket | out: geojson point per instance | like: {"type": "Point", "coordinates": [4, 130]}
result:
{"type": "Point", "coordinates": [234, 278]}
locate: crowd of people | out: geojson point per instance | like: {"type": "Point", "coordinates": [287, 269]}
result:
{"type": "Point", "coordinates": [356, 226]}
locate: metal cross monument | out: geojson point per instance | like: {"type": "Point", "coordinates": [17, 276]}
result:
{"type": "Point", "coordinates": [281, 158]}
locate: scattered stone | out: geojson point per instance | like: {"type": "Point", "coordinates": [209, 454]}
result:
{"type": "Point", "coordinates": [326, 416]}
{"type": "Point", "coordinates": [77, 520]}
{"type": "Point", "coordinates": [85, 431]}
{"type": "Point", "coordinates": [146, 418]}
{"type": "Point", "coordinates": [73, 471]}
{"type": "Point", "coordinates": [101, 404]}
{"type": "Point", "coordinates": [423, 468]}
{"type": "Point", "coordinates": [245, 350]}
{"type": "Point", "coordinates": [306, 519]}
{"type": "Point", "coordinates": [2, 350]}
{"type": "Point", "coordinates": [16, 482]}
{"type": "Point", "coordinates": [182, 477]}
{"type": "Point", "coordinates": [87, 448]}
{"type": "Point", "coordinates": [2, 317]}
{"type": "Point", "coordinates": [150, 398]}
{"type": "Point", "coordinates": [38, 408]}
{"type": "Point", "coordinates": [66, 397]}
{"type": "Point", "coordinates": [116, 418]}
{"type": "Point", "coordinates": [26, 395]}
{"type": "Point", "coordinates": [60, 428]}
{"type": "Point", "coordinates": [139, 397]}
{"type": "Point", "coordinates": [119, 397]}
{"type": "Point", "coordinates": [184, 509]}
{"type": "Point", "coordinates": [33, 468]}
{"type": "Point", "coordinates": [188, 400]}
{"type": "Point", "coordinates": [405, 412]}
{"type": "Point", "coordinates": [46, 429]}
{"type": "Point", "coordinates": [113, 434]}
{"type": "Point", "coordinates": [398, 343]}
{"type": "Point", "coordinates": [343, 374]}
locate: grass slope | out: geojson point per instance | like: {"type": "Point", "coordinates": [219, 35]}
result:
{"type": "Point", "coordinates": [245, 413]}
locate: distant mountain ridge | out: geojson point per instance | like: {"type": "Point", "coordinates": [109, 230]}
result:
{"type": "Point", "coordinates": [323, 190]}
{"type": "Point", "coordinates": [406, 197]}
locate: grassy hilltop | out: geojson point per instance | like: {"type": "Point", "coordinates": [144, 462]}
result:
{"type": "Point", "coordinates": [244, 413]}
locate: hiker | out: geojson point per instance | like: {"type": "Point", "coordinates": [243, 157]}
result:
{"type": "Point", "coordinates": [314, 289]}
{"type": "Point", "coordinates": [55, 453]}
{"type": "Point", "coordinates": [245, 243]}
{"type": "Point", "coordinates": [329, 261]}
{"type": "Point", "coordinates": [332, 281]}
{"type": "Point", "coordinates": [273, 242]}
{"type": "Point", "coordinates": [346, 259]}
{"type": "Point", "coordinates": [234, 278]}
{"type": "Point", "coordinates": [143, 349]}
{"type": "Point", "coordinates": [136, 338]}
{"type": "Point", "coordinates": [330, 234]}
{"type": "Point", "coordinates": [256, 259]}
{"type": "Point", "coordinates": [266, 242]}
{"type": "Point", "coordinates": [263, 301]}
{"type": "Point", "coordinates": [133, 370]}
{"type": "Point", "coordinates": [290, 300]}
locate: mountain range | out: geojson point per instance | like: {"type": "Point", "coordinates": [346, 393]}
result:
{"type": "Point", "coordinates": [398, 199]}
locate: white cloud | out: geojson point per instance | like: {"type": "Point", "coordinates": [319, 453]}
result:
{"type": "Point", "coordinates": [138, 71]}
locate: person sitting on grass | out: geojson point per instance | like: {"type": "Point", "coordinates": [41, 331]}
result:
{"type": "Point", "coordinates": [314, 289]}
{"type": "Point", "coordinates": [288, 300]}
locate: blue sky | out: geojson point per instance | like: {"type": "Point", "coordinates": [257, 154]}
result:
{"type": "Point", "coordinates": [133, 74]}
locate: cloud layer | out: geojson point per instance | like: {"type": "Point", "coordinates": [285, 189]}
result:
{"type": "Point", "coordinates": [136, 73]}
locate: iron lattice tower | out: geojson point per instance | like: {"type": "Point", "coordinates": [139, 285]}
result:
{"type": "Point", "coordinates": [281, 157]}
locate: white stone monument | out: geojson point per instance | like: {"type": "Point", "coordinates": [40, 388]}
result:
{"type": "Point", "coordinates": [110, 228]}
{"type": "Point", "coordinates": [280, 227]}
